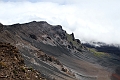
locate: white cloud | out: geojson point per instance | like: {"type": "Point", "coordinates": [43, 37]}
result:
{"type": "Point", "coordinates": [89, 19]}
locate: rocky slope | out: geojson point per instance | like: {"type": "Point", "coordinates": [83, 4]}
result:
{"type": "Point", "coordinates": [111, 49]}
{"type": "Point", "coordinates": [56, 54]}
{"type": "Point", "coordinates": [12, 65]}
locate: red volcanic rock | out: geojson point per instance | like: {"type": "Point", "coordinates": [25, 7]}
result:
{"type": "Point", "coordinates": [115, 77]}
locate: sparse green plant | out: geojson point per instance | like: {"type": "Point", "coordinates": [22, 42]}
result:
{"type": "Point", "coordinates": [15, 72]}
{"type": "Point", "coordinates": [96, 53]}
{"type": "Point", "coordinates": [22, 69]}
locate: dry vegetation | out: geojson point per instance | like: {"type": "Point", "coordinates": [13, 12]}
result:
{"type": "Point", "coordinates": [12, 65]}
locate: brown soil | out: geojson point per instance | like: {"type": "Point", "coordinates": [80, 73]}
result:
{"type": "Point", "coordinates": [12, 65]}
{"type": "Point", "coordinates": [115, 77]}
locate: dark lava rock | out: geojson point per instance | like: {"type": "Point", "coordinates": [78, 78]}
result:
{"type": "Point", "coordinates": [73, 38]}
{"type": "Point", "coordinates": [78, 41]}
{"type": "Point", "coordinates": [33, 36]}
{"type": "Point", "coordinates": [1, 27]}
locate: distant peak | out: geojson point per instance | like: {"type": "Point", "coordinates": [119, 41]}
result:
{"type": "Point", "coordinates": [43, 22]}
{"type": "Point", "coordinates": [37, 22]}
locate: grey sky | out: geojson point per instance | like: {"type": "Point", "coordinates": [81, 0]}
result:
{"type": "Point", "coordinates": [96, 20]}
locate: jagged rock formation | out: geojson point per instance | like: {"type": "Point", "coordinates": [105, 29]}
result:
{"type": "Point", "coordinates": [57, 54]}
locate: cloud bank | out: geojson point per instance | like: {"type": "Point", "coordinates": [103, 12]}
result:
{"type": "Point", "coordinates": [89, 20]}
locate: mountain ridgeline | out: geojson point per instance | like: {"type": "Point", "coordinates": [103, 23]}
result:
{"type": "Point", "coordinates": [57, 55]}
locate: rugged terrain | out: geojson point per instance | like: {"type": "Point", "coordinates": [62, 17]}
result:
{"type": "Point", "coordinates": [57, 54]}
{"type": "Point", "coordinates": [12, 65]}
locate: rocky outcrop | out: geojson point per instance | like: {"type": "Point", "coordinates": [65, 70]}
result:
{"type": "Point", "coordinates": [73, 38]}
{"type": "Point", "coordinates": [1, 27]}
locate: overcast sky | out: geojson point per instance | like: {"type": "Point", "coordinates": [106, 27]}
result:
{"type": "Point", "coordinates": [89, 20]}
